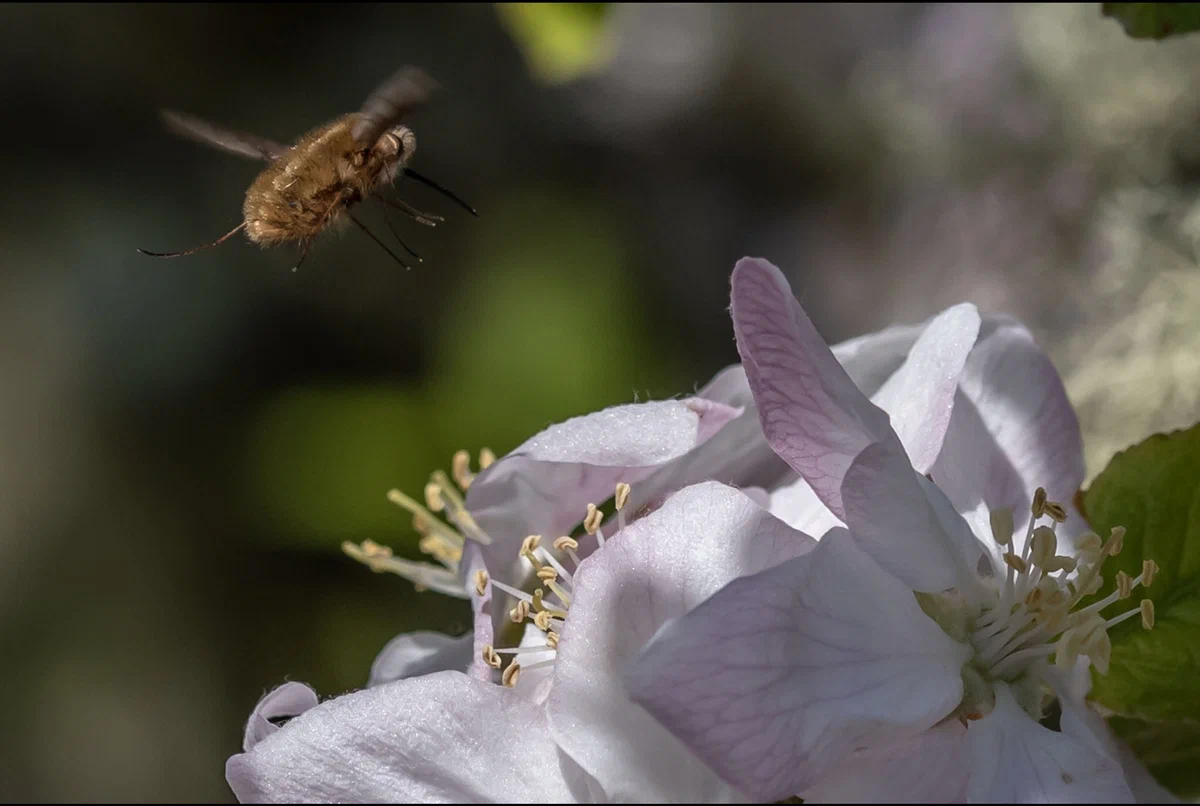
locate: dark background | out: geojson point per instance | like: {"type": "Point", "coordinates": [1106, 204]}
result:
{"type": "Point", "coordinates": [186, 443]}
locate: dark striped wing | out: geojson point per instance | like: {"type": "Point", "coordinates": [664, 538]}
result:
{"type": "Point", "coordinates": [407, 90]}
{"type": "Point", "coordinates": [235, 142]}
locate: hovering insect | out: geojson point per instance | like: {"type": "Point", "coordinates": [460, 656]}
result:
{"type": "Point", "coordinates": [312, 185]}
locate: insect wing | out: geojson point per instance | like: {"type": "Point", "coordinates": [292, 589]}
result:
{"type": "Point", "coordinates": [407, 90]}
{"type": "Point", "coordinates": [245, 145]}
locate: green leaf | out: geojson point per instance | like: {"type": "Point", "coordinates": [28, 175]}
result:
{"type": "Point", "coordinates": [1154, 20]}
{"type": "Point", "coordinates": [1153, 490]}
{"type": "Point", "coordinates": [1170, 750]}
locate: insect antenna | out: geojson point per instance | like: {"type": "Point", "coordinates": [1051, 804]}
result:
{"type": "Point", "coordinates": [424, 180]}
{"type": "Point", "coordinates": [303, 255]}
{"type": "Point", "coordinates": [387, 220]}
{"type": "Point", "coordinates": [200, 248]}
{"type": "Point", "coordinates": [382, 245]}
{"type": "Point", "coordinates": [428, 219]}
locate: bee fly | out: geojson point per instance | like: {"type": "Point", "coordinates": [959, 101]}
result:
{"type": "Point", "coordinates": [312, 185]}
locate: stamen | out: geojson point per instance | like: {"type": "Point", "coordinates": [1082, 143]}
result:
{"type": "Point", "coordinates": [481, 581]}
{"type": "Point", "coordinates": [1147, 608]}
{"type": "Point", "coordinates": [486, 459]}
{"type": "Point", "coordinates": [513, 592]}
{"type": "Point", "coordinates": [547, 574]}
{"type": "Point", "coordinates": [591, 523]}
{"type": "Point", "coordinates": [1016, 563]}
{"type": "Point", "coordinates": [1039, 503]}
{"type": "Point", "coordinates": [1149, 569]}
{"type": "Point", "coordinates": [1124, 585]}
{"type": "Point", "coordinates": [490, 657]}
{"type": "Point", "coordinates": [424, 575]}
{"type": "Point", "coordinates": [1045, 544]}
{"type": "Point", "coordinates": [552, 639]}
{"type": "Point", "coordinates": [558, 591]}
{"type": "Point", "coordinates": [456, 509]}
{"type": "Point", "coordinates": [433, 497]}
{"type": "Point", "coordinates": [1002, 526]}
{"type": "Point", "coordinates": [460, 469]}
{"type": "Point", "coordinates": [511, 675]}
{"type": "Point", "coordinates": [1115, 542]}
{"type": "Point", "coordinates": [567, 545]}
{"type": "Point", "coordinates": [1056, 511]}
{"type": "Point", "coordinates": [622, 496]}
{"type": "Point", "coordinates": [540, 606]}
{"type": "Point", "coordinates": [520, 612]}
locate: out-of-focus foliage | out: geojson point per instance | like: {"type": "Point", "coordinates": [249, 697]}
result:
{"type": "Point", "coordinates": [1170, 750]}
{"type": "Point", "coordinates": [1153, 490]}
{"type": "Point", "coordinates": [1155, 20]}
{"type": "Point", "coordinates": [561, 41]}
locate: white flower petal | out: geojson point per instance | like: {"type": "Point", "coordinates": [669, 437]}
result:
{"type": "Point", "coordinates": [813, 415]}
{"type": "Point", "coordinates": [929, 768]}
{"type": "Point", "coordinates": [442, 738]}
{"type": "Point", "coordinates": [544, 486]}
{"type": "Point", "coordinates": [1016, 760]}
{"type": "Point", "coordinates": [906, 524]}
{"type": "Point", "coordinates": [655, 570]}
{"type": "Point", "coordinates": [1016, 430]}
{"type": "Point", "coordinates": [798, 506]}
{"type": "Point", "coordinates": [777, 677]}
{"type": "Point", "coordinates": [424, 652]}
{"type": "Point", "coordinates": [919, 397]}
{"type": "Point", "coordinates": [287, 701]}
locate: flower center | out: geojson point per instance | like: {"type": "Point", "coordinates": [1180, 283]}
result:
{"type": "Point", "coordinates": [1035, 611]}
{"type": "Point", "coordinates": [443, 540]}
{"type": "Point", "coordinates": [548, 605]}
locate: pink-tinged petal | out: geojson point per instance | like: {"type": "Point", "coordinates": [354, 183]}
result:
{"type": "Point", "coordinates": [655, 570]}
{"type": "Point", "coordinates": [413, 654]}
{"type": "Point", "coordinates": [929, 768]}
{"type": "Point", "coordinates": [1018, 433]}
{"type": "Point", "coordinates": [798, 506]}
{"type": "Point", "coordinates": [288, 701]}
{"type": "Point", "coordinates": [906, 524]}
{"type": "Point", "coordinates": [544, 486]}
{"type": "Point", "coordinates": [871, 359]}
{"type": "Point", "coordinates": [1016, 760]}
{"type": "Point", "coordinates": [442, 738]}
{"type": "Point", "coordinates": [919, 397]}
{"type": "Point", "coordinates": [776, 678]}
{"type": "Point", "coordinates": [813, 415]}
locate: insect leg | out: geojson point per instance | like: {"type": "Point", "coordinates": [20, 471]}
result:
{"type": "Point", "coordinates": [382, 245]}
{"type": "Point", "coordinates": [387, 220]}
{"type": "Point", "coordinates": [200, 248]}
{"type": "Point", "coordinates": [428, 219]}
{"type": "Point", "coordinates": [430, 183]}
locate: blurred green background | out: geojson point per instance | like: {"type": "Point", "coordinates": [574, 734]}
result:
{"type": "Point", "coordinates": [186, 443]}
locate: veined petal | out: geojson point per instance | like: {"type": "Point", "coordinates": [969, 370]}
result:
{"type": "Point", "coordinates": [1016, 760]}
{"type": "Point", "coordinates": [413, 654]}
{"type": "Point", "coordinates": [929, 768]}
{"type": "Point", "coordinates": [287, 701]}
{"type": "Point", "coordinates": [812, 413]}
{"type": "Point", "coordinates": [776, 678]}
{"type": "Point", "coordinates": [442, 738]}
{"type": "Point", "coordinates": [905, 523]}
{"type": "Point", "coordinates": [798, 506]}
{"type": "Point", "coordinates": [655, 570]}
{"type": "Point", "coordinates": [919, 397]}
{"type": "Point", "coordinates": [1019, 432]}
{"type": "Point", "coordinates": [544, 486]}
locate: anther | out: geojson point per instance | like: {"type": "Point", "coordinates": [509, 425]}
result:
{"type": "Point", "coordinates": [1056, 511]}
{"type": "Point", "coordinates": [481, 581]}
{"type": "Point", "coordinates": [1039, 502]}
{"type": "Point", "coordinates": [591, 523]}
{"type": "Point", "coordinates": [1116, 540]}
{"type": "Point", "coordinates": [1002, 526]}
{"type": "Point", "coordinates": [486, 459]}
{"type": "Point", "coordinates": [530, 544]}
{"type": "Point", "coordinates": [1124, 585]}
{"type": "Point", "coordinates": [520, 612]}
{"type": "Point", "coordinates": [490, 657]}
{"type": "Point", "coordinates": [1016, 563]}
{"type": "Point", "coordinates": [460, 469]}
{"type": "Point", "coordinates": [542, 620]}
{"type": "Point", "coordinates": [433, 497]}
{"type": "Point", "coordinates": [1149, 569]}
{"type": "Point", "coordinates": [566, 543]}
{"type": "Point", "coordinates": [511, 675]}
{"type": "Point", "coordinates": [1045, 544]}
{"type": "Point", "coordinates": [1088, 543]}
{"type": "Point", "coordinates": [547, 574]}
{"type": "Point", "coordinates": [622, 496]}
{"type": "Point", "coordinates": [552, 639]}
{"type": "Point", "coordinates": [1147, 608]}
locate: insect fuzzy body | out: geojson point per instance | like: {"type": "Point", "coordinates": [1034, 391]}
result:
{"type": "Point", "coordinates": [310, 187]}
